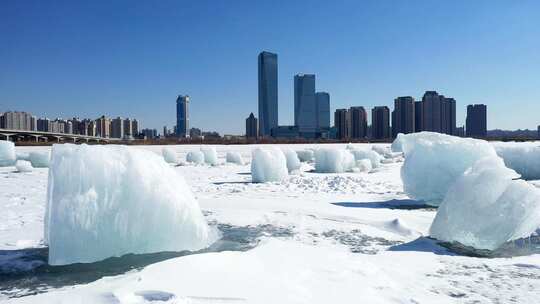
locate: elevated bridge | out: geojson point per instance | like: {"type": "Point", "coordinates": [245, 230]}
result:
{"type": "Point", "coordinates": [38, 136]}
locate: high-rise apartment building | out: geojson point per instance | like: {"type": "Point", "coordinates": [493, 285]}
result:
{"type": "Point", "coordinates": [268, 92]}
{"type": "Point", "coordinates": [252, 126]}
{"type": "Point", "coordinates": [322, 103]}
{"type": "Point", "coordinates": [103, 127]}
{"type": "Point", "coordinates": [380, 122]}
{"type": "Point", "coordinates": [182, 115]}
{"type": "Point", "coordinates": [128, 128]}
{"type": "Point", "coordinates": [357, 125]}
{"type": "Point", "coordinates": [476, 121]}
{"type": "Point", "coordinates": [117, 127]}
{"type": "Point", "coordinates": [134, 127]}
{"type": "Point", "coordinates": [341, 122]}
{"type": "Point", "coordinates": [438, 113]}
{"type": "Point", "coordinates": [403, 116]}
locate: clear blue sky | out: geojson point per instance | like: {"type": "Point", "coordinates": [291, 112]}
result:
{"type": "Point", "coordinates": [131, 58]}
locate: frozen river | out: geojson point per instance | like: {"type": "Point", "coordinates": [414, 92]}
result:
{"type": "Point", "coordinates": [312, 238]}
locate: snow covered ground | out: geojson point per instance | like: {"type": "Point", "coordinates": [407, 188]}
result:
{"type": "Point", "coordinates": [311, 238]}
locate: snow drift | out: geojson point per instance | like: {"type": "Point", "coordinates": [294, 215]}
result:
{"type": "Point", "coordinates": [486, 207]}
{"type": "Point", "coordinates": [7, 153]}
{"type": "Point", "coordinates": [268, 165]}
{"type": "Point", "coordinates": [329, 160]}
{"type": "Point", "coordinates": [23, 166]}
{"type": "Point", "coordinates": [107, 201]}
{"type": "Point", "coordinates": [169, 155]}
{"type": "Point", "coordinates": [524, 158]}
{"type": "Point", "coordinates": [234, 157]}
{"type": "Point", "coordinates": [196, 157]}
{"type": "Point", "coordinates": [433, 162]}
{"type": "Point", "coordinates": [210, 155]}
{"type": "Point", "coordinates": [40, 159]}
{"type": "Point", "coordinates": [293, 163]}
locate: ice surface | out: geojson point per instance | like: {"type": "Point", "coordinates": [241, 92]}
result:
{"type": "Point", "coordinates": [524, 158]}
{"type": "Point", "coordinates": [362, 153]}
{"type": "Point", "coordinates": [306, 155]}
{"type": "Point", "coordinates": [23, 166]}
{"type": "Point", "coordinates": [22, 156]}
{"type": "Point", "coordinates": [7, 153]}
{"type": "Point", "coordinates": [40, 159]}
{"type": "Point", "coordinates": [364, 165]}
{"type": "Point", "coordinates": [433, 162]}
{"type": "Point", "coordinates": [169, 155]}
{"type": "Point", "coordinates": [210, 155]}
{"type": "Point", "coordinates": [196, 157]}
{"type": "Point", "coordinates": [106, 201]}
{"type": "Point", "coordinates": [487, 207]}
{"type": "Point", "coordinates": [234, 157]}
{"type": "Point", "coordinates": [397, 144]}
{"type": "Point", "coordinates": [293, 163]}
{"type": "Point", "coordinates": [329, 160]}
{"type": "Point", "coordinates": [268, 165]}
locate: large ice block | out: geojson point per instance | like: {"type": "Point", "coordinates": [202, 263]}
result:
{"type": "Point", "coordinates": [7, 153]}
{"type": "Point", "coordinates": [268, 165]}
{"type": "Point", "coordinates": [487, 207]}
{"type": "Point", "coordinates": [333, 160]}
{"type": "Point", "coordinates": [107, 201]}
{"type": "Point", "coordinates": [433, 162]}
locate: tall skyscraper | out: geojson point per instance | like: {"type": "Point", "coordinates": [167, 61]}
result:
{"type": "Point", "coordinates": [305, 108]}
{"type": "Point", "coordinates": [252, 126]}
{"type": "Point", "coordinates": [182, 115]}
{"type": "Point", "coordinates": [268, 93]}
{"type": "Point", "coordinates": [322, 103]}
{"type": "Point", "coordinates": [476, 122]}
{"type": "Point", "coordinates": [403, 118]}
{"type": "Point", "coordinates": [357, 123]}
{"type": "Point", "coordinates": [380, 122]}
{"type": "Point", "coordinates": [341, 123]}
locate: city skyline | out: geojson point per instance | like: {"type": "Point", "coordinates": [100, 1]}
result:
{"type": "Point", "coordinates": [482, 53]}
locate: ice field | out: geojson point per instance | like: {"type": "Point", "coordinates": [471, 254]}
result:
{"type": "Point", "coordinates": [304, 236]}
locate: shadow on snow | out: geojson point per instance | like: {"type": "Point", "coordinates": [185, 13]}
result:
{"type": "Point", "coordinates": [403, 204]}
